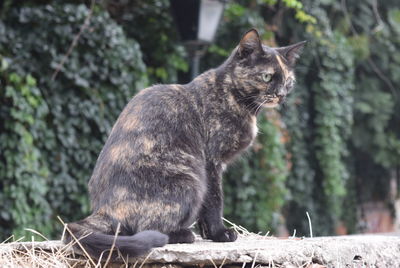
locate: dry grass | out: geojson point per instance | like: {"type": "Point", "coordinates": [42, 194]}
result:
{"type": "Point", "coordinates": [16, 254]}
{"type": "Point", "coordinates": [13, 253]}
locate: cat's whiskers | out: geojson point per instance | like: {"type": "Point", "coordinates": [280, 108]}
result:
{"type": "Point", "coordinates": [252, 105]}
{"type": "Point", "coordinates": [258, 108]}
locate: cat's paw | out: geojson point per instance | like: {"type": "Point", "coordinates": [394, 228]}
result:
{"type": "Point", "coordinates": [181, 236]}
{"type": "Point", "coordinates": [225, 235]}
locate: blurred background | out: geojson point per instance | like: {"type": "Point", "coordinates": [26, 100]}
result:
{"type": "Point", "coordinates": [67, 69]}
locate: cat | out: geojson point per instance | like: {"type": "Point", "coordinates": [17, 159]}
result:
{"type": "Point", "coordinates": [160, 168]}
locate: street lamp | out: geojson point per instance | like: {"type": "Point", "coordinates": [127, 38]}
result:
{"type": "Point", "coordinates": [197, 22]}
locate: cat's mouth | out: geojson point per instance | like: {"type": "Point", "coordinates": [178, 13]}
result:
{"type": "Point", "coordinates": [272, 101]}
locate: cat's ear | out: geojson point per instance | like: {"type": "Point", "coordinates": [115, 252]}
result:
{"type": "Point", "coordinates": [249, 43]}
{"type": "Point", "coordinates": [292, 53]}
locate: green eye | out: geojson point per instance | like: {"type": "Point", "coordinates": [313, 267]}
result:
{"type": "Point", "coordinates": [266, 77]}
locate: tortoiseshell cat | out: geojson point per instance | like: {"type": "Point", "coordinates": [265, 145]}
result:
{"type": "Point", "coordinates": [160, 169]}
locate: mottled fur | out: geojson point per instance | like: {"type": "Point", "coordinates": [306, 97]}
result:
{"type": "Point", "coordinates": [161, 166]}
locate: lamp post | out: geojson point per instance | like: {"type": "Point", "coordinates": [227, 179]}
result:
{"type": "Point", "coordinates": [197, 22]}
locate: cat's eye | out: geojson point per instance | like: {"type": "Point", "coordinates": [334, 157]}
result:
{"type": "Point", "coordinates": [266, 77]}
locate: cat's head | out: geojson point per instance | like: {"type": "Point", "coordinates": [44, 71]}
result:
{"type": "Point", "coordinates": [263, 75]}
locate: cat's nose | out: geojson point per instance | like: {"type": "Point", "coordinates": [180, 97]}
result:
{"type": "Point", "coordinates": [281, 93]}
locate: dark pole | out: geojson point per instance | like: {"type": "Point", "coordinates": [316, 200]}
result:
{"type": "Point", "coordinates": [195, 64]}
{"type": "Point", "coordinates": [196, 51]}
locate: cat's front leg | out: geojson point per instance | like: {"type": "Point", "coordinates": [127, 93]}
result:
{"type": "Point", "coordinates": [210, 217]}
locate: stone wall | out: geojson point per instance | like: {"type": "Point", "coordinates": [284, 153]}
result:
{"type": "Point", "coordinates": [250, 251]}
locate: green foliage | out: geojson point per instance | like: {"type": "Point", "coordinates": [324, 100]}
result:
{"type": "Point", "coordinates": [300, 15]}
{"type": "Point", "coordinates": [99, 77]}
{"type": "Point", "coordinates": [378, 90]}
{"type": "Point", "coordinates": [376, 132]}
{"type": "Point", "coordinates": [320, 150]}
{"type": "Point", "coordinates": [23, 170]}
{"type": "Point", "coordinates": [346, 113]}
{"type": "Point", "coordinates": [162, 53]}
{"type": "Point", "coordinates": [333, 102]}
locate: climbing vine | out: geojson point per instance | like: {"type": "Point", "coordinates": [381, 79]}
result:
{"type": "Point", "coordinates": [23, 169]}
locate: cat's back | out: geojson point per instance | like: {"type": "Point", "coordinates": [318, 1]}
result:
{"type": "Point", "coordinates": [160, 129]}
{"type": "Point", "coordinates": [158, 110]}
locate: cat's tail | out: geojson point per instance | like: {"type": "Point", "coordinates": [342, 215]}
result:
{"type": "Point", "coordinates": [98, 244]}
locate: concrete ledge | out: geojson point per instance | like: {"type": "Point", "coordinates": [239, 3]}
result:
{"type": "Point", "coordinates": [342, 251]}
